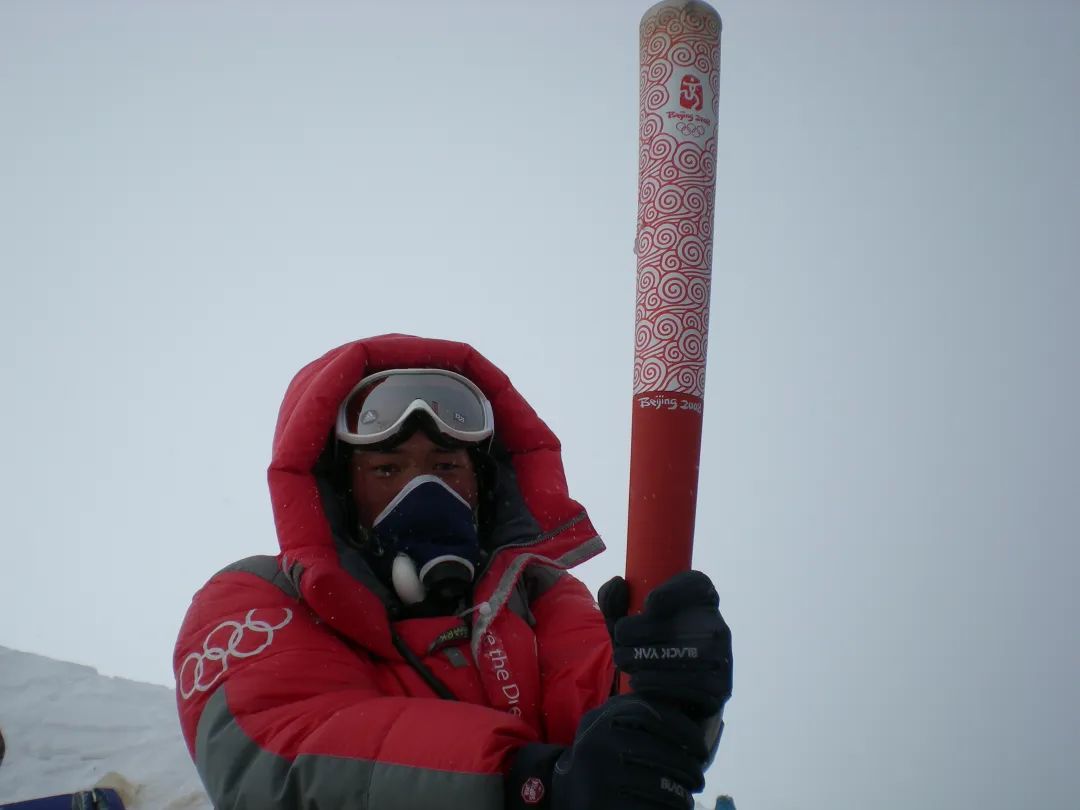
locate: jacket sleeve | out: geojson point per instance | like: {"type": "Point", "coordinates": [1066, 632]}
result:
{"type": "Point", "coordinates": [280, 714]}
{"type": "Point", "coordinates": [576, 665]}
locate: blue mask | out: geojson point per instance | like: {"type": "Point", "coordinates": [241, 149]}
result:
{"type": "Point", "coordinates": [429, 540]}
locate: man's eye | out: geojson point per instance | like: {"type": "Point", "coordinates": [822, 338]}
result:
{"type": "Point", "coordinates": [447, 466]}
{"type": "Point", "coordinates": [384, 470]}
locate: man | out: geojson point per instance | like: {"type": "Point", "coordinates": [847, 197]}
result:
{"type": "Point", "coordinates": [418, 643]}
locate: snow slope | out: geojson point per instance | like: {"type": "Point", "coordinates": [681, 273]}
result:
{"type": "Point", "coordinates": [68, 728]}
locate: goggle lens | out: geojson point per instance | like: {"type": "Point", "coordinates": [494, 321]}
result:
{"type": "Point", "coordinates": [376, 409]}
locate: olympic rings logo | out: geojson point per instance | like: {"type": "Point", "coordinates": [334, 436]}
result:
{"type": "Point", "coordinates": [690, 130]}
{"type": "Point", "coordinates": [201, 670]}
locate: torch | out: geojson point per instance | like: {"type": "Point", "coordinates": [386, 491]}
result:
{"type": "Point", "coordinates": [680, 77]}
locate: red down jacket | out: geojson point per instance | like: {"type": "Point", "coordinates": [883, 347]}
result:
{"type": "Point", "coordinates": [293, 683]}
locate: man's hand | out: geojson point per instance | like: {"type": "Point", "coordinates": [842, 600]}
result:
{"type": "Point", "coordinates": [629, 754]}
{"type": "Point", "coordinates": [678, 649]}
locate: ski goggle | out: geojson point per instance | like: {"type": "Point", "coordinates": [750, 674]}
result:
{"type": "Point", "coordinates": [377, 408]}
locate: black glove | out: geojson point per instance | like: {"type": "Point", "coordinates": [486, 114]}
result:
{"type": "Point", "coordinates": [678, 649]}
{"type": "Point", "coordinates": [629, 754]}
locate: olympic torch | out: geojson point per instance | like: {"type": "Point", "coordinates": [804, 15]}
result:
{"type": "Point", "coordinates": [680, 77]}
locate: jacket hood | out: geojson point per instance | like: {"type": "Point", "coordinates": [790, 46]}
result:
{"type": "Point", "coordinates": [537, 515]}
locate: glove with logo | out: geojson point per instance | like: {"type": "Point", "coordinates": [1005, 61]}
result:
{"type": "Point", "coordinates": [629, 754]}
{"type": "Point", "coordinates": [678, 649]}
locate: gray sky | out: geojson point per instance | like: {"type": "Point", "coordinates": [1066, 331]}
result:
{"type": "Point", "coordinates": [198, 198]}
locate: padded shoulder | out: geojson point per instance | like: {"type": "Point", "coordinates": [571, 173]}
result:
{"type": "Point", "coordinates": [266, 568]}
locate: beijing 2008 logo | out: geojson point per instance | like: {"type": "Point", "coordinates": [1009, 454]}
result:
{"type": "Point", "coordinates": [532, 792]}
{"type": "Point", "coordinates": [230, 639]}
{"type": "Point", "coordinates": [691, 93]}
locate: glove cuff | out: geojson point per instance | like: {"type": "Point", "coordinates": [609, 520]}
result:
{"type": "Point", "coordinates": [528, 785]}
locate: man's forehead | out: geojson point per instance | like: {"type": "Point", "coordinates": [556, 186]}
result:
{"type": "Point", "coordinates": [401, 450]}
{"type": "Point", "coordinates": [410, 450]}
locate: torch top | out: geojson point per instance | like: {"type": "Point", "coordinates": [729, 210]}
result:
{"type": "Point", "coordinates": [689, 8]}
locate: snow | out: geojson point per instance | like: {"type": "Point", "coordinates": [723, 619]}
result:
{"type": "Point", "coordinates": [67, 728]}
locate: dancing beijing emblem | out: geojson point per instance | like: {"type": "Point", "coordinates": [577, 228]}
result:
{"type": "Point", "coordinates": [691, 93]}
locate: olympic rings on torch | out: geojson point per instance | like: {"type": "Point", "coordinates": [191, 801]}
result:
{"type": "Point", "coordinates": [691, 130]}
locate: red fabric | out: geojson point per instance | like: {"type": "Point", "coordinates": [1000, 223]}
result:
{"type": "Point", "coordinates": [320, 674]}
